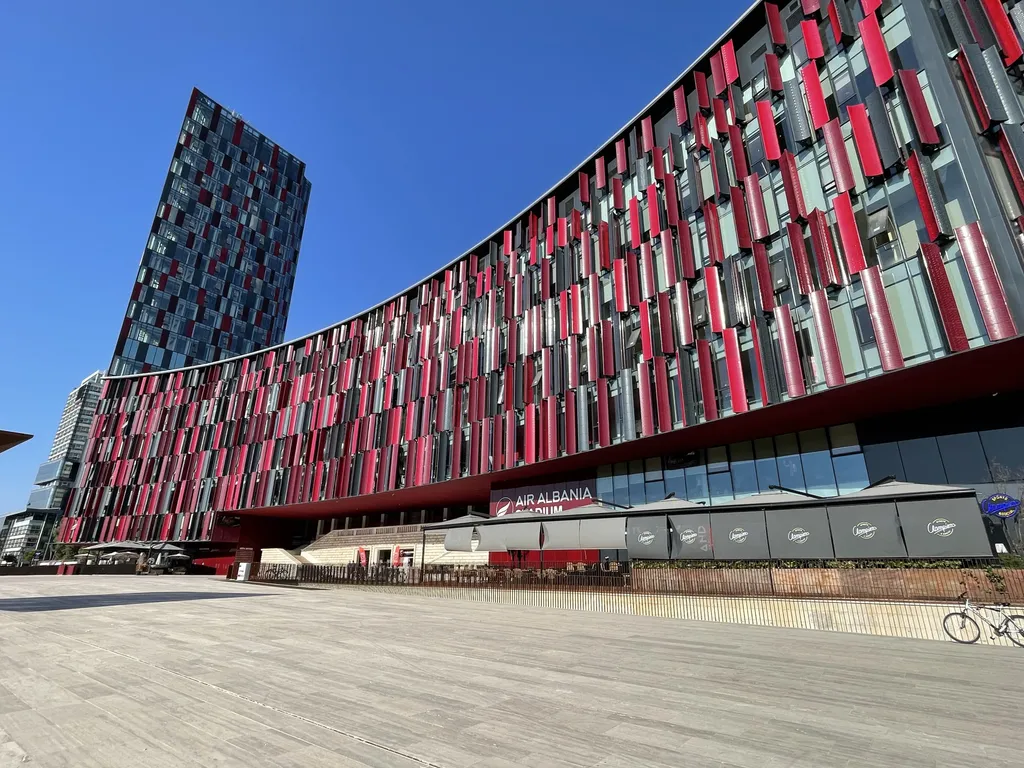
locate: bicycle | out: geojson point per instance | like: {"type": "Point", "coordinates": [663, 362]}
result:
{"type": "Point", "coordinates": [962, 626]}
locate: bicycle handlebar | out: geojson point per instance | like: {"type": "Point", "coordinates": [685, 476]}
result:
{"type": "Point", "coordinates": [962, 595]}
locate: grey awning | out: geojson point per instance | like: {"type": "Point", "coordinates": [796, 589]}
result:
{"type": "Point", "coordinates": [768, 499]}
{"type": "Point", "coordinates": [667, 505]}
{"type": "Point", "coordinates": [896, 488]}
{"type": "Point", "coordinates": [603, 533]}
{"type": "Point", "coordinates": [799, 534]}
{"type": "Point", "coordinates": [521, 535]}
{"type": "Point", "coordinates": [561, 534]}
{"type": "Point", "coordinates": [491, 538]}
{"type": "Point", "coordinates": [459, 540]}
{"type": "Point", "coordinates": [647, 537]}
{"type": "Point", "coordinates": [943, 528]}
{"type": "Point", "coordinates": [458, 522]}
{"type": "Point", "coordinates": [866, 530]}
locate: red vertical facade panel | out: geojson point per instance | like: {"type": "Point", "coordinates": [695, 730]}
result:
{"type": "Point", "coordinates": [919, 112]}
{"type": "Point", "coordinates": [619, 286]}
{"type": "Point", "coordinates": [734, 369]}
{"type": "Point", "coordinates": [739, 218]}
{"type": "Point", "coordinates": [812, 39]}
{"type": "Point", "coordinates": [1003, 30]}
{"type": "Point", "coordinates": [713, 228]}
{"type": "Point", "coordinates": [707, 379]}
{"type": "Point", "coordinates": [837, 156]}
{"type": "Point", "coordinates": [945, 300]}
{"type": "Point", "coordinates": [755, 206]}
{"type": "Point", "coordinates": [815, 94]}
{"type": "Point", "coordinates": [700, 84]}
{"type": "Point", "coordinates": [846, 223]}
{"type": "Point", "coordinates": [773, 70]}
{"type": "Point", "coordinates": [729, 65]}
{"type": "Point", "coordinates": [876, 50]}
{"type": "Point", "coordinates": [881, 319]}
{"type": "Point", "coordinates": [798, 250]}
{"type": "Point", "coordinates": [864, 140]}
{"type": "Point", "coordinates": [647, 133]}
{"type": "Point", "coordinates": [679, 101]}
{"type": "Point", "coordinates": [667, 340]}
{"type": "Point", "coordinates": [776, 31]}
{"type": "Point", "coordinates": [570, 422]}
{"type": "Point", "coordinates": [828, 346]}
{"type": "Point", "coordinates": [924, 201]}
{"type": "Point", "coordinates": [790, 352]}
{"type": "Point", "coordinates": [769, 133]}
{"type": "Point", "coordinates": [765, 287]}
{"type": "Point", "coordinates": [792, 187]}
{"type": "Point", "coordinates": [646, 337]}
{"type": "Point", "coordinates": [988, 288]}
{"type": "Point", "coordinates": [621, 160]}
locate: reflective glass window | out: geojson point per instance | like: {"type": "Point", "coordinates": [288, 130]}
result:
{"type": "Point", "coordinates": [1004, 449]}
{"type": "Point", "coordinates": [921, 461]}
{"type": "Point", "coordinates": [963, 459]}
{"type": "Point", "coordinates": [764, 462]}
{"type": "Point", "coordinates": [744, 473]}
{"type": "Point", "coordinates": [791, 473]}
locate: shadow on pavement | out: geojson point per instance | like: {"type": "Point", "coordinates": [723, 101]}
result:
{"type": "Point", "coordinates": [72, 602]}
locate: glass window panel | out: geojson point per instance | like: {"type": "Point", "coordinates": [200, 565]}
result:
{"type": "Point", "coordinates": [718, 459]}
{"type": "Point", "coordinates": [655, 491]}
{"type": "Point", "coordinates": [637, 495]}
{"type": "Point", "coordinates": [764, 462]}
{"type": "Point", "coordinates": [883, 460]}
{"type": "Point", "coordinates": [964, 459]}
{"type": "Point", "coordinates": [697, 484]}
{"type": "Point", "coordinates": [818, 473]}
{"type": "Point", "coordinates": [652, 469]}
{"type": "Point", "coordinates": [605, 486]}
{"type": "Point", "coordinates": [921, 461]}
{"type": "Point", "coordinates": [744, 474]}
{"type": "Point", "coordinates": [791, 473]}
{"type": "Point", "coordinates": [1004, 449]}
{"type": "Point", "coordinates": [720, 485]}
{"type": "Point", "coordinates": [851, 472]}
{"type": "Point", "coordinates": [675, 482]}
{"type": "Point", "coordinates": [620, 483]}
{"type": "Point", "coordinates": [844, 439]}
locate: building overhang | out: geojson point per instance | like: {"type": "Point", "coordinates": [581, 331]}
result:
{"type": "Point", "coordinates": [11, 439]}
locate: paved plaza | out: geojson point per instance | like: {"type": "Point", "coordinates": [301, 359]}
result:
{"type": "Point", "coordinates": [195, 671]}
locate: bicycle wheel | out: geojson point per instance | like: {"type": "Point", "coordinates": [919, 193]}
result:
{"type": "Point", "coordinates": [961, 627]}
{"type": "Point", "coordinates": [1015, 629]}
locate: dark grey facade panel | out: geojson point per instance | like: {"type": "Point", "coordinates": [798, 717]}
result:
{"type": "Point", "coordinates": [691, 536]}
{"type": "Point", "coordinates": [943, 528]}
{"type": "Point", "coordinates": [882, 129]}
{"type": "Point", "coordinates": [796, 112]}
{"type": "Point", "coordinates": [987, 87]}
{"type": "Point", "coordinates": [739, 535]}
{"type": "Point", "coordinates": [957, 22]}
{"type": "Point", "coordinates": [647, 538]}
{"type": "Point", "coordinates": [799, 534]}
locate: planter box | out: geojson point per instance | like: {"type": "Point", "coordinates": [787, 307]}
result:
{"type": "Point", "coordinates": [852, 584]}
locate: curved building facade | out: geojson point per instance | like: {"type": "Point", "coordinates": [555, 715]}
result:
{"type": "Point", "coordinates": [769, 277]}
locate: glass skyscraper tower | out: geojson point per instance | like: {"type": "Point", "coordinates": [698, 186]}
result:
{"type": "Point", "coordinates": [217, 273]}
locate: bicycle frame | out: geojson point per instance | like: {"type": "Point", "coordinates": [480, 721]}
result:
{"type": "Point", "coordinates": [976, 612]}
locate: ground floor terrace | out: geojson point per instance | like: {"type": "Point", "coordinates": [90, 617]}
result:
{"type": "Point", "coordinates": [191, 671]}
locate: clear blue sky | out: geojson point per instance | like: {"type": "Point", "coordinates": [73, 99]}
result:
{"type": "Point", "coordinates": [424, 127]}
